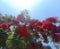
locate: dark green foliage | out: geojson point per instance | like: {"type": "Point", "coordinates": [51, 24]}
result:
{"type": "Point", "coordinates": [3, 38]}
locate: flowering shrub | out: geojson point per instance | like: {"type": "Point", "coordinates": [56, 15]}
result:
{"type": "Point", "coordinates": [27, 33]}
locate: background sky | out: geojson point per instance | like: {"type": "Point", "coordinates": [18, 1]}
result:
{"type": "Point", "coordinates": [40, 10]}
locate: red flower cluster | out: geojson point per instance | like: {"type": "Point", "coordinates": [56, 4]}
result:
{"type": "Point", "coordinates": [4, 25]}
{"type": "Point", "coordinates": [48, 25]}
{"type": "Point", "coordinates": [37, 24]}
{"type": "Point", "coordinates": [52, 19]}
{"type": "Point", "coordinates": [43, 27]}
{"type": "Point", "coordinates": [23, 31]}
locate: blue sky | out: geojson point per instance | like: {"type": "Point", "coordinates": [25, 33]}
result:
{"type": "Point", "coordinates": [40, 10]}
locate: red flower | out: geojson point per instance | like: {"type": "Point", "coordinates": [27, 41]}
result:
{"type": "Point", "coordinates": [37, 24]}
{"type": "Point", "coordinates": [23, 31]}
{"type": "Point", "coordinates": [47, 25]}
{"type": "Point", "coordinates": [52, 19]}
{"type": "Point", "coordinates": [41, 30]}
{"type": "Point", "coordinates": [26, 36]}
{"type": "Point", "coordinates": [54, 30]}
{"type": "Point", "coordinates": [4, 26]}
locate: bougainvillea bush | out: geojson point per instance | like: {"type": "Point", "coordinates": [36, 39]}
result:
{"type": "Point", "coordinates": [23, 32]}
